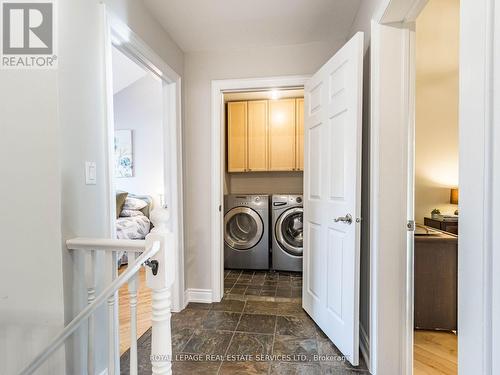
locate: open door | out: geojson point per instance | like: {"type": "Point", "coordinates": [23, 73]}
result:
{"type": "Point", "coordinates": [332, 196]}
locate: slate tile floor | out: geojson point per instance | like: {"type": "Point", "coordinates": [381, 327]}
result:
{"type": "Point", "coordinates": [273, 331]}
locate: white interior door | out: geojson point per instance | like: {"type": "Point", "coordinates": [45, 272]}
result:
{"type": "Point", "coordinates": [332, 196]}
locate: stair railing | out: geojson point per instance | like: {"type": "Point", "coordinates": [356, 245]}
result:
{"type": "Point", "coordinates": [152, 252]}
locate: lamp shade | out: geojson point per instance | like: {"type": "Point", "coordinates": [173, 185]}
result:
{"type": "Point", "coordinates": [454, 196]}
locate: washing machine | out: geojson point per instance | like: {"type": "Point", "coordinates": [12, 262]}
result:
{"type": "Point", "coordinates": [287, 232]}
{"type": "Point", "coordinates": [246, 231]}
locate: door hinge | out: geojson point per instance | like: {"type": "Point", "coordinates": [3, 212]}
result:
{"type": "Point", "coordinates": [410, 226]}
{"type": "Point", "coordinates": [220, 208]}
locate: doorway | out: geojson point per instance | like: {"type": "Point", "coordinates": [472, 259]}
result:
{"type": "Point", "coordinates": [138, 177]}
{"type": "Point", "coordinates": [436, 189]}
{"type": "Point", "coordinates": [154, 135]}
{"type": "Point", "coordinates": [221, 92]}
{"type": "Point", "coordinates": [395, 180]}
{"type": "Point", "coordinates": [332, 189]}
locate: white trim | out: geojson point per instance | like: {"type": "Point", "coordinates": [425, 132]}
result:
{"type": "Point", "coordinates": [391, 310]}
{"type": "Point", "coordinates": [104, 372]}
{"type": "Point", "coordinates": [495, 206]}
{"type": "Point", "coordinates": [479, 173]}
{"type": "Point", "coordinates": [122, 37]}
{"type": "Point", "coordinates": [388, 196]}
{"type": "Point", "coordinates": [409, 85]}
{"type": "Point", "coordinates": [402, 11]}
{"type": "Point", "coordinates": [364, 344]}
{"type": "Point", "coordinates": [217, 162]}
{"type": "Point", "coordinates": [198, 295]}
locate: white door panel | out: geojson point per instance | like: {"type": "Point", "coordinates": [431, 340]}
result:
{"type": "Point", "coordinates": [332, 189]}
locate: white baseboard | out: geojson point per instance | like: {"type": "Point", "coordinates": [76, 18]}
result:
{"type": "Point", "coordinates": [198, 295]}
{"type": "Point", "coordinates": [364, 345]}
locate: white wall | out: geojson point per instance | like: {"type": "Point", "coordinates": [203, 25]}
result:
{"type": "Point", "coordinates": [31, 293]}
{"type": "Point", "coordinates": [139, 108]}
{"type": "Point", "coordinates": [200, 69]}
{"type": "Point", "coordinates": [478, 242]}
{"type": "Point", "coordinates": [82, 121]}
{"type": "Point", "coordinates": [368, 10]}
{"type": "Point", "coordinates": [266, 183]}
{"type": "Point", "coordinates": [436, 117]}
{"type": "Point", "coordinates": [51, 123]}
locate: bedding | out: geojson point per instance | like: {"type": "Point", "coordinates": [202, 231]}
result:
{"type": "Point", "coordinates": [130, 213]}
{"type": "Point", "coordinates": [120, 201]}
{"type": "Point", "coordinates": [132, 227]}
{"type": "Point", "coordinates": [134, 204]}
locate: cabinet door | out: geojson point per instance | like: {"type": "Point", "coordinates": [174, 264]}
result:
{"type": "Point", "coordinates": [237, 136]}
{"type": "Point", "coordinates": [282, 135]}
{"type": "Point", "coordinates": [300, 134]}
{"type": "Point", "coordinates": [257, 135]}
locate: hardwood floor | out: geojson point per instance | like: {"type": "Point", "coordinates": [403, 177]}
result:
{"type": "Point", "coordinates": [435, 352]}
{"type": "Point", "coordinates": [143, 310]}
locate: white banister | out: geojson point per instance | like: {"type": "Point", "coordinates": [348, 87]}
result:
{"type": "Point", "coordinates": [132, 293]}
{"type": "Point", "coordinates": [89, 244]}
{"type": "Point", "coordinates": [91, 285]}
{"type": "Point", "coordinates": [157, 252]}
{"type": "Point", "coordinates": [161, 283]}
{"type": "Point", "coordinates": [152, 248]}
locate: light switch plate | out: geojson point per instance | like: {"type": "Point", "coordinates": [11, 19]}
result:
{"type": "Point", "coordinates": [90, 173]}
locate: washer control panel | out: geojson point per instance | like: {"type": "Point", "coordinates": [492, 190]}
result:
{"type": "Point", "coordinates": [286, 200]}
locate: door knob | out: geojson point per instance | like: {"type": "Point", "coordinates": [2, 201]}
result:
{"type": "Point", "coordinates": [347, 219]}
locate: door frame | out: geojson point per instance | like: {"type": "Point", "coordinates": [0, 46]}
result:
{"type": "Point", "coordinates": [218, 163]}
{"type": "Point", "coordinates": [392, 77]}
{"type": "Point", "coordinates": [119, 35]}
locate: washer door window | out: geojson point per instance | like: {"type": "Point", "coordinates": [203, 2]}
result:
{"type": "Point", "coordinates": [289, 231]}
{"type": "Point", "coordinates": [243, 228]}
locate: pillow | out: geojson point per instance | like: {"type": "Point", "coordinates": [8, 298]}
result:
{"type": "Point", "coordinates": [134, 204]}
{"type": "Point", "coordinates": [131, 213]}
{"type": "Point", "coordinates": [121, 196]}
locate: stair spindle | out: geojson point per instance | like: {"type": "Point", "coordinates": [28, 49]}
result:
{"type": "Point", "coordinates": [132, 291]}
{"type": "Point", "coordinates": [91, 285]}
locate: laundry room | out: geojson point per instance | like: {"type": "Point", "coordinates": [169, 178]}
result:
{"type": "Point", "coordinates": [263, 186]}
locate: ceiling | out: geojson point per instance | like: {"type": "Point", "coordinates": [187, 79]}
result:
{"type": "Point", "coordinates": [125, 71]}
{"type": "Point", "coordinates": [203, 25]}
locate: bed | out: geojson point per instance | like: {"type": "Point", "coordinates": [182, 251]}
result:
{"type": "Point", "coordinates": [132, 221]}
{"type": "Point", "coordinates": [133, 224]}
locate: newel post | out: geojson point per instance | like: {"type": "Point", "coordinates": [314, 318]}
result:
{"type": "Point", "coordinates": [161, 283]}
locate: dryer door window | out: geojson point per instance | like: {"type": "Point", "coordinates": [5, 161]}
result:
{"type": "Point", "coordinates": [243, 228]}
{"type": "Point", "coordinates": [289, 231]}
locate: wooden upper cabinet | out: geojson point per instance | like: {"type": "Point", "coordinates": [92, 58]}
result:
{"type": "Point", "coordinates": [265, 135]}
{"type": "Point", "coordinates": [237, 136]}
{"type": "Point", "coordinates": [282, 134]}
{"type": "Point", "coordinates": [300, 134]}
{"type": "Point", "coordinates": [257, 136]}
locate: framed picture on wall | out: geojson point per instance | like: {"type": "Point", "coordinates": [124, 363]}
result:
{"type": "Point", "coordinates": [124, 161]}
